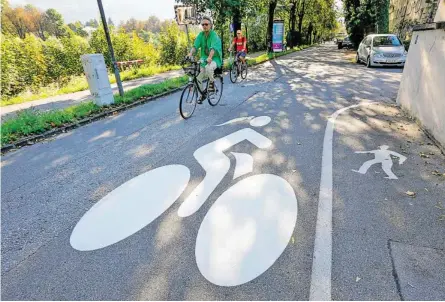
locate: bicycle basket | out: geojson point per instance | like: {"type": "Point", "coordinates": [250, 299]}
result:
{"type": "Point", "coordinates": [192, 70]}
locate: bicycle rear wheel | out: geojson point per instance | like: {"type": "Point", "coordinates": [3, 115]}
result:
{"type": "Point", "coordinates": [215, 97]}
{"type": "Point", "coordinates": [244, 71]}
{"type": "Point", "coordinates": [187, 103]}
{"type": "Point", "coordinates": [233, 73]}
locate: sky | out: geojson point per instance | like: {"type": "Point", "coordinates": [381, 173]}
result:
{"type": "Point", "coordinates": [117, 10]}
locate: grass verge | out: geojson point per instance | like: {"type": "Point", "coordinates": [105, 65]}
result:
{"type": "Point", "coordinates": [29, 122]}
{"type": "Point", "coordinates": [79, 83]}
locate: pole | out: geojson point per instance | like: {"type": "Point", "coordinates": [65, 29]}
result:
{"type": "Point", "coordinates": [188, 38]}
{"type": "Point", "coordinates": [110, 48]}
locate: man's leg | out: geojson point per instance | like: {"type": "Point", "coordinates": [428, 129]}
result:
{"type": "Point", "coordinates": [201, 77]}
{"type": "Point", "coordinates": [210, 71]}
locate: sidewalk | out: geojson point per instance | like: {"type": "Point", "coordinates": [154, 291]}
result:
{"type": "Point", "coordinates": [67, 100]}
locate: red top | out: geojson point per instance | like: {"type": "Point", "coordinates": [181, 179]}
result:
{"type": "Point", "coordinates": [239, 42]}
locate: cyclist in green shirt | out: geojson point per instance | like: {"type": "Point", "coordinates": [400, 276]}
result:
{"type": "Point", "coordinates": [210, 44]}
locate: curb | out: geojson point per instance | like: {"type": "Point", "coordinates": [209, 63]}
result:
{"type": "Point", "coordinates": [39, 137]}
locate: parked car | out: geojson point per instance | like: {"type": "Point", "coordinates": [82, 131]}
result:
{"type": "Point", "coordinates": [381, 50]}
{"type": "Point", "coordinates": [345, 43]}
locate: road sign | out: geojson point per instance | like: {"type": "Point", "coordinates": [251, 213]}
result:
{"type": "Point", "coordinates": [278, 35]}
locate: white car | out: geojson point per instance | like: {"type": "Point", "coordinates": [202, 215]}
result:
{"type": "Point", "coordinates": [381, 50]}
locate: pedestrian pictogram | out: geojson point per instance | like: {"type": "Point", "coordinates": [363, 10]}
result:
{"type": "Point", "coordinates": [382, 156]}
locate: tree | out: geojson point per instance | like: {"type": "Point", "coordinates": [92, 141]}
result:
{"type": "Point", "coordinates": [92, 23]}
{"type": "Point", "coordinates": [53, 23]}
{"type": "Point", "coordinates": [6, 24]}
{"type": "Point", "coordinates": [272, 7]}
{"type": "Point", "coordinates": [35, 21]}
{"type": "Point", "coordinates": [173, 44]}
{"type": "Point", "coordinates": [77, 28]}
{"type": "Point", "coordinates": [110, 22]}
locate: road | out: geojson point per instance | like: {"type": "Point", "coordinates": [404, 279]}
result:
{"type": "Point", "coordinates": [158, 237]}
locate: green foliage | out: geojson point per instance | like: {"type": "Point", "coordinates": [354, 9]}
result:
{"type": "Point", "coordinates": [173, 43]}
{"type": "Point", "coordinates": [363, 17]}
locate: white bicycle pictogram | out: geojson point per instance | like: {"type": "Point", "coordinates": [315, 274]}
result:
{"type": "Point", "coordinates": [241, 236]}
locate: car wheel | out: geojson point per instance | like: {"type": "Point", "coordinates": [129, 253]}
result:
{"type": "Point", "coordinates": [357, 58]}
{"type": "Point", "coordinates": [368, 63]}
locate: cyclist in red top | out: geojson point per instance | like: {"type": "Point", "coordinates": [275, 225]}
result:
{"type": "Point", "coordinates": [241, 46]}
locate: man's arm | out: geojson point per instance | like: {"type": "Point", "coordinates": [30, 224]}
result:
{"type": "Point", "coordinates": [231, 46]}
{"type": "Point", "coordinates": [192, 52]}
{"type": "Point", "coordinates": [210, 57]}
{"type": "Point", "coordinates": [245, 45]}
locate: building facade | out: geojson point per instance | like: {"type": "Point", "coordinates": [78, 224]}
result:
{"type": "Point", "coordinates": [403, 14]}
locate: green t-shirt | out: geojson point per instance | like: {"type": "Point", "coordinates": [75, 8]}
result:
{"type": "Point", "coordinates": [212, 41]}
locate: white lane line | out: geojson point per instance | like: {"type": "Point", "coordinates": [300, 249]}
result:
{"type": "Point", "coordinates": [322, 259]}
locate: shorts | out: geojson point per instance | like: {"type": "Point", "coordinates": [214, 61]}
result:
{"type": "Point", "coordinates": [241, 54]}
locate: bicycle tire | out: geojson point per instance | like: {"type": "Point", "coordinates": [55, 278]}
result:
{"type": "Point", "coordinates": [183, 102]}
{"type": "Point", "coordinates": [219, 88]}
{"type": "Point", "coordinates": [244, 72]}
{"type": "Point", "coordinates": [233, 73]}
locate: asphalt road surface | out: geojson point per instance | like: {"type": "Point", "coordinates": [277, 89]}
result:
{"type": "Point", "coordinates": [262, 197]}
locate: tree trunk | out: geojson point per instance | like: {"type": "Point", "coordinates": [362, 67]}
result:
{"type": "Point", "coordinates": [292, 23]}
{"type": "Point", "coordinates": [301, 16]}
{"type": "Point", "coordinates": [236, 20]}
{"type": "Point", "coordinates": [272, 6]}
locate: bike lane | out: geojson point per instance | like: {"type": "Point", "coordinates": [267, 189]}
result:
{"type": "Point", "coordinates": [160, 261]}
{"type": "Point", "coordinates": [387, 188]}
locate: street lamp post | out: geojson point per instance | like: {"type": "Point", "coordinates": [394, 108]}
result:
{"type": "Point", "coordinates": [110, 48]}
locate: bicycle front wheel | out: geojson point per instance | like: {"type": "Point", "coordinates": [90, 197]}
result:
{"type": "Point", "coordinates": [187, 104]}
{"type": "Point", "coordinates": [215, 97]}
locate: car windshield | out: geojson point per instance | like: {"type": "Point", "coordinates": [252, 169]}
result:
{"type": "Point", "coordinates": [386, 41]}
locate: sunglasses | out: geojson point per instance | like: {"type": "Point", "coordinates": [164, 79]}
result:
{"type": "Point", "coordinates": [205, 24]}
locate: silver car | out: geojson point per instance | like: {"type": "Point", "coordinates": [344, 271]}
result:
{"type": "Point", "coordinates": [381, 50]}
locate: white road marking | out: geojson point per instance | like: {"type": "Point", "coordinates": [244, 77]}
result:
{"type": "Point", "coordinates": [216, 164]}
{"type": "Point", "coordinates": [246, 230]}
{"type": "Point", "coordinates": [322, 259]}
{"type": "Point", "coordinates": [260, 121]}
{"type": "Point", "coordinates": [130, 207]}
{"type": "Point", "coordinates": [244, 164]}
{"type": "Point", "coordinates": [236, 120]}
{"type": "Point", "coordinates": [382, 156]}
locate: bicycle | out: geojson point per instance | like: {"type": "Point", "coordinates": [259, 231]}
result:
{"type": "Point", "coordinates": [192, 93]}
{"type": "Point", "coordinates": [237, 68]}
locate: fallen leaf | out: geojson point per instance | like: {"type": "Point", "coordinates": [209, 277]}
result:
{"type": "Point", "coordinates": [293, 240]}
{"type": "Point", "coordinates": [431, 153]}
{"type": "Point", "coordinates": [426, 189]}
{"type": "Point", "coordinates": [411, 194]}
{"type": "Point", "coordinates": [358, 279]}
{"type": "Point", "coordinates": [423, 155]}
{"type": "Point", "coordinates": [436, 173]}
